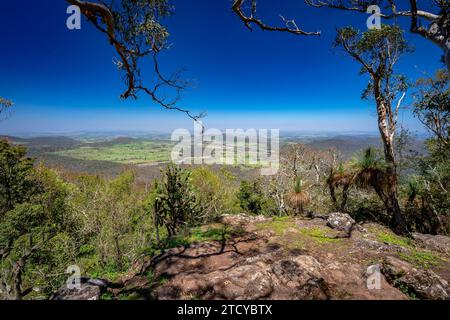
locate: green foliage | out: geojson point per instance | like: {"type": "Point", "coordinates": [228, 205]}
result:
{"type": "Point", "coordinates": [375, 49]}
{"type": "Point", "coordinates": [175, 204]}
{"type": "Point", "coordinates": [418, 257]}
{"type": "Point", "coordinates": [253, 199]}
{"type": "Point", "coordinates": [319, 235]}
{"type": "Point", "coordinates": [369, 158]}
{"type": "Point", "coordinates": [138, 22]}
{"type": "Point", "coordinates": [370, 170]}
{"type": "Point", "coordinates": [113, 223]}
{"type": "Point", "coordinates": [36, 227]}
{"type": "Point", "coordinates": [421, 258]}
{"type": "Point", "coordinates": [213, 232]}
{"type": "Point", "coordinates": [279, 225]}
{"type": "Point", "coordinates": [16, 184]}
{"type": "Point", "coordinates": [432, 108]}
{"type": "Point", "coordinates": [390, 238]}
{"type": "Point", "coordinates": [215, 191]}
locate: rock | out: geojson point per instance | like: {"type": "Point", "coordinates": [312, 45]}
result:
{"type": "Point", "coordinates": [320, 216]}
{"type": "Point", "coordinates": [423, 284]}
{"type": "Point", "coordinates": [350, 281]}
{"type": "Point", "coordinates": [264, 264]}
{"type": "Point", "coordinates": [340, 221]}
{"type": "Point", "coordinates": [242, 219]}
{"type": "Point", "coordinates": [370, 244]}
{"type": "Point", "coordinates": [87, 291]}
{"type": "Point", "coordinates": [394, 268]}
{"type": "Point", "coordinates": [293, 281]}
{"type": "Point", "coordinates": [310, 264]}
{"type": "Point", "coordinates": [431, 242]}
{"type": "Point", "coordinates": [243, 282]}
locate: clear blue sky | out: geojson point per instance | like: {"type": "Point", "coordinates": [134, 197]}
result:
{"type": "Point", "coordinates": [64, 80]}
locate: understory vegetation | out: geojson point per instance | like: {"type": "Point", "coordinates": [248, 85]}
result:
{"type": "Point", "coordinates": [49, 221]}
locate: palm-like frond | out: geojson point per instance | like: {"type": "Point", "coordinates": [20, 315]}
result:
{"type": "Point", "coordinates": [339, 178]}
{"type": "Point", "coordinates": [300, 197]}
{"type": "Point", "coordinates": [370, 170]}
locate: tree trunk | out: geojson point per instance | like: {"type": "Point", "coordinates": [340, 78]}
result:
{"type": "Point", "coordinates": [397, 223]}
{"type": "Point", "coordinates": [439, 33]}
{"type": "Point", "coordinates": [118, 253]}
{"type": "Point", "coordinates": [344, 197]}
{"type": "Point", "coordinates": [333, 194]}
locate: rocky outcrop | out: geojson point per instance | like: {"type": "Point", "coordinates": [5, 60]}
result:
{"type": "Point", "coordinates": [422, 284]}
{"type": "Point", "coordinates": [340, 221]}
{"type": "Point", "coordinates": [90, 289]}
{"type": "Point", "coordinates": [433, 242]}
{"type": "Point", "coordinates": [286, 258]}
{"type": "Point", "coordinates": [260, 277]}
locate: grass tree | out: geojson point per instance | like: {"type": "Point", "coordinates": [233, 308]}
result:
{"type": "Point", "coordinates": [299, 198]}
{"type": "Point", "coordinates": [378, 51]}
{"type": "Point", "coordinates": [370, 172]}
{"type": "Point", "coordinates": [339, 179]}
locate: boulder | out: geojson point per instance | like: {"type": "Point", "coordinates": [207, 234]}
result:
{"type": "Point", "coordinates": [90, 289]}
{"type": "Point", "coordinates": [394, 268]}
{"type": "Point", "coordinates": [295, 281]}
{"type": "Point", "coordinates": [423, 284]}
{"type": "Point", "coordinates": [87, 291]}
{"type": "Point", "coordinates": [242, 219]}
{"type": "Point", "coordinates": [431, 242]}
{"type": "Point", "coordinates": [340, 221]}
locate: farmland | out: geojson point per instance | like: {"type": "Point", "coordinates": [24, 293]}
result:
{"type": "Point", "coordinates": [137, 152]}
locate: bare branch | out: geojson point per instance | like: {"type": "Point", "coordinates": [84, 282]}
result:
{"type": "Point", "coordinates": [361, 6]}
{"type": "Point", "coordinates": [290, 25]}
{"type": "Point", "coordinates": [102, 17]}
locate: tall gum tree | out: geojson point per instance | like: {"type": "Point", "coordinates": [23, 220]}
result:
{"type": "Point", "coordinates": [377, 51]}
{"type": "Point", "coordinates": [429, 19]}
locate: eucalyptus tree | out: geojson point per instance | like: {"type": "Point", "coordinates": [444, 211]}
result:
{"type": "Point", "coordinates": [378, 51]}
{"type": "Point", "coordinates": [428, 19]}
{"type": "Point", "coordinates": [432, 108]}
{"type": "Point", "coordinates": [436, 13]}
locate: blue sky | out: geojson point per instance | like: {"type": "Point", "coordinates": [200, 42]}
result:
{"type": "Point", "coordinates": [64, 81]}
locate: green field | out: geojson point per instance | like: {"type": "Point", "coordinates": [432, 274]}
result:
{"type": "Point", "coordinates": [132, 153]}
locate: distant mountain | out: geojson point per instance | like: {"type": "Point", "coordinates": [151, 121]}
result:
{"type": "Point", "coordinates": [44, 144]}
{"type": "Point", "coordinates": [347, 145]}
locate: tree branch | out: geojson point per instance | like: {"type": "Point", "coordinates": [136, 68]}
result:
{"type": "Point", "coordinates": [291, 26]}
{"type": "Point", "coordinates": [102, 18]}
